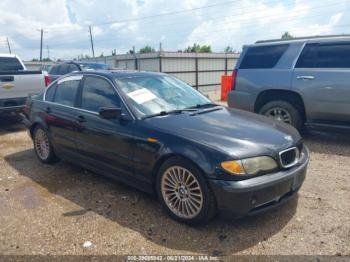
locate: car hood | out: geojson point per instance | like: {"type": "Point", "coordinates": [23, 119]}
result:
{"type": "Point", "coordinates": [235, 132]}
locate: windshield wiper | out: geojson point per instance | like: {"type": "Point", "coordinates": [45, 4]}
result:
{"type": "Point", "coordinates": [206, 105]}
{"type": "Point", "coordinates": [175, 111]}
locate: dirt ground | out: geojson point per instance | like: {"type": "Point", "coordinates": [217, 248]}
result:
{"type": "Point", "coordinates": [57, 209]}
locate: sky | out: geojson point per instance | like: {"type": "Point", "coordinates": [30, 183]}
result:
{"type": "Point", "coordinates": [121, 24]}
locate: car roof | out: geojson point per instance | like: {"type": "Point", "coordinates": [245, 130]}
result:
{"type": "Point", "coordinates": [79, 63]}
{"type": "Point", "coordinates": [311, 39]}
{"type": "Point", "coordinates": [119, 74]}
{"type": "Point", "coordinates": [7, 55]}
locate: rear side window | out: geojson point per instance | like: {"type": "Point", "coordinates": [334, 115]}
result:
{"type": "Point", "coordinates": [50, 93]}
{"type": "Point", "coordinates": [262, 56]}
{"type": "Point", "coordinates": [54, 70]}
{"type": "Point", "coordinates": [10, 64]}
{"type": "Point", "coordinates": [66, 92]}
{"type": "Point", "coordinates": [64, 69]}
{"type": "Point", "coordinates": [335, 55]}
{"type": "Point", "coordinates": [73, 67]}
{"type": "Point", "coordinates": [98, 93]}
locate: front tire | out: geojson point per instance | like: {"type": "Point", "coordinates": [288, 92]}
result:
{"type": "Point", "coordinates": [283, 111]}
{"type": "Point", "coordinates": [42, 146]}
{"type": "Point", "coordinates": [184, 193]}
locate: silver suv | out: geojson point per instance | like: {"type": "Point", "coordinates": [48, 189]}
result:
{"type": "Point", "coordinates": [299, 81]}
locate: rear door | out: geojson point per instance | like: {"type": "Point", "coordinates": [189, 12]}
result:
{"type": "Point", "coordinates": [104, 142]}
{"type": "Point", "coordinates": [61, 114]}
{"type": "Point", "coordinates": [321, 76]}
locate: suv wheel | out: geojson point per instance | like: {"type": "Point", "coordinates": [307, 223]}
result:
{"type": "Point", "coordinates": [283, 111]}
{"type": "Point", "coordinates": [184, 193]}
{"type": "Point", "coordinates": [42, 146]}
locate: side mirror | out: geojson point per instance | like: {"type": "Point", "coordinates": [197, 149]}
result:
{"type": "Point", "coordinates": [110, 113]}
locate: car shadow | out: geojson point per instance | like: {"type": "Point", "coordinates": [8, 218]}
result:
{"type": "Point", "coordinates": [333, 143]}
{"type": "Point", "coordinates": [142, 213]}
{"type": "Point", "coordinates": [9, 124]}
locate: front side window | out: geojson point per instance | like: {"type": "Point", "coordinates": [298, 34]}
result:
{"type": "Point", "coordinates": [259, 57]}
{"type": "Point", "coordinates": [98, 93]}
{"type": "Point", "coordinates": [335, 55]}
{"type": "Point", "coordinates": [150, 95]}
{"type": "Point", "coordinates": [66, 91]}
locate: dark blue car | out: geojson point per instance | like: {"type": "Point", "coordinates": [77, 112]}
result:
{"type": "Point", "coordinates": [158, 134]}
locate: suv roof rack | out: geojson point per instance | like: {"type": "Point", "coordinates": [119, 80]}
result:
{"type": "Point", "coordinates": [301, 38]}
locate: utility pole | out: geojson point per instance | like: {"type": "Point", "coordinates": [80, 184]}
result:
{"type": "Point", "coordinates": [8, 44]}
{"type": "Point", "coordinates": [41, 44]}
{"type": "Point", "coordinates": [48, 52]}
{"type": "Point", "coordinates": [92, 42]}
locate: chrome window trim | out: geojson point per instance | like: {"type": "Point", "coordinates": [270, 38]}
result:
{"type": "Point", "coordinates": [296, 160]}
{"type": "Point", "coordinates": [72, 107]}
{"type": "Point", "coordinates": [81, 77]}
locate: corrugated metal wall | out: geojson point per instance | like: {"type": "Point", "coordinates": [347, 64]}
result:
{"type": "Point", "coordinates": [201, 70]}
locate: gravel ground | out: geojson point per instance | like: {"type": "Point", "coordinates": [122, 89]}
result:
{"type": "Point", "coordinates": [62, 209]}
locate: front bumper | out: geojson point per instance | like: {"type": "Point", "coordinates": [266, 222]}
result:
{"type": "Point", "coordinates": [248, 197]}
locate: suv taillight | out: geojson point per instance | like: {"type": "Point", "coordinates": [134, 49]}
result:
{"type": "Point", "coordinates": [234, 75]}
{"type": "Point", "coordinates": [47, 80]}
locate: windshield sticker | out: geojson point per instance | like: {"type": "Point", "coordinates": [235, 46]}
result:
{"type": "Point", "coordinates": [142, 95]}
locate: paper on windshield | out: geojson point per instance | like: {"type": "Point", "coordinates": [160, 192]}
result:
{"type": "Point", "coordinates": [142, 95]}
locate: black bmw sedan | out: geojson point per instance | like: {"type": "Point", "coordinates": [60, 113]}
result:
{"type": "Point", "coordinates": [156, 133]}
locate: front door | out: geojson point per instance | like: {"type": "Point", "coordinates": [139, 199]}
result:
{"type": "Point", "coordinates": [104, 142]}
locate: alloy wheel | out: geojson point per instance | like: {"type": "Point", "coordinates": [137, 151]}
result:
{"type": "Point", "coordinates": [280, 114]}
{"type": "Point", "coordinates": [42, 144]}
{"type": "Point", "coordinates": [182, 192]}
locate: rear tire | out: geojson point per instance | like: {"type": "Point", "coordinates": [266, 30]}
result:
{"type": "Point", "coordinates": [283, 111]}
{"type": "Point", "coordinates": [184, 193]}
{"type": "Point", "coordinates": [42, 146]}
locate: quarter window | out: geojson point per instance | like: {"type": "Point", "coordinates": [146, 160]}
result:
{"type": "Point", "coordinates": [66, 92]}
{"type": "Point", "coordinates": [335, 55]}
{"type": "Point", "coordinates": [98, 93]}
{"type": "Point", "coordinates": [262, 56]}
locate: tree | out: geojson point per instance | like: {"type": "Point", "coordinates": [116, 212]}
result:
{"type": "Point", "coordinates": [287, 36]}
{"type": "Point", "coordinates": [196, 48]}
{"type": "Point", "coordinates": [229, 49]}
{"type": "Point", "coordinates": [35, 60]}
{"type": "Point", "coordinates": [147, 49]}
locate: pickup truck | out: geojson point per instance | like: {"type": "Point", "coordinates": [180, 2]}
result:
{"type": "Point", "coordinates": [16, 83]}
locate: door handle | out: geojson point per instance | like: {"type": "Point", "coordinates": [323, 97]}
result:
{"type": "Point", "coordinates": [306, 77]}
{"type": "Point", "coordinates": [48, 110]}
{"type": "Point", "coordinates": [81, 119]}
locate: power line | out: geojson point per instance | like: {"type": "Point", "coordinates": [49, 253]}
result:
{"type": "Point", "coordinates": [164, 14]}
{"type": "Point", "coordinates": [238, 22]}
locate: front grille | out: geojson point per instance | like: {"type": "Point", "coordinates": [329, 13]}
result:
{"type": "Point", "coordinates": [289, 157]}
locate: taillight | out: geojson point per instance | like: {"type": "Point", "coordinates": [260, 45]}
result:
{"type": "Point", "coordinates": [234, 75]}
{"type": "Point", "coordinates": [47, 80]}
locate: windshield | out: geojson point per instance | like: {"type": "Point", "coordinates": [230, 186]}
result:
{"type": "Point", "coordinates": [151, 95]}
{"type": "Point", "coordinates": [93, 66]}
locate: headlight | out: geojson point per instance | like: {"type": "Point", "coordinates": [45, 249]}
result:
{"type": "Point", "coordinates": [249, 166]}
